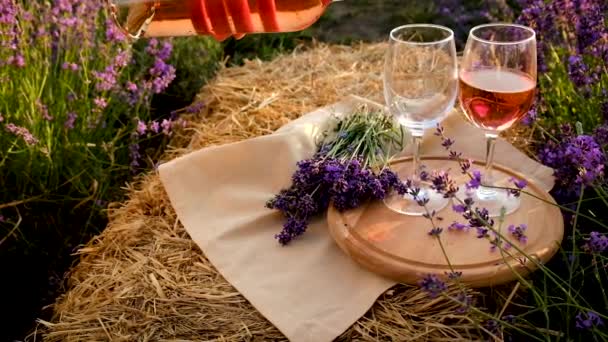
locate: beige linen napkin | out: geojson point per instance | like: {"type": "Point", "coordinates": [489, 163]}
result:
{"type": "Point", "coordinates": [309, 290]}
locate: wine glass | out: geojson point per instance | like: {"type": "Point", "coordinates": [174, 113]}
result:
{"type": "Point", "coordinates": [420, 89]}
{"type": "Point", "coordinates": [497, 88]}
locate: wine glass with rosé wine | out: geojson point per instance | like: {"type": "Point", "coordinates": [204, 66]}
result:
{"type": "Point", "coordinates": [497, 89]}
{"type": "Point", "coordinates": [420, 89]}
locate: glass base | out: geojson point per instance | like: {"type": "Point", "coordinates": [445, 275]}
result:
{"type": "Point", "coordinates": [406, 205]}
{"type": "Point", "coordinates": [494, 200]}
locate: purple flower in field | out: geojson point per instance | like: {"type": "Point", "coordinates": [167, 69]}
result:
{"type": "Point", "coordinates": [601, 134]}
{"type": "Point", "coordinates": [69, 122]}
{"type": "Point", "coordinates": [106, 80]}
{"type": "Point", "coordinates": [530, 117]}
{"type": "Point", "coordinates": [519, 232]}
{"type": "Point", "coordinates": [69, 66]}
{"type": "Point", "coordinates": [195, 108]}
{"type": "Point", "coordinates": [113, 33]}
{"type": "Point", "coordinates": [19, 61]}
{"type": "Point", "coordinates": [162, 75]}
{"type": "Point", "coordinates": [492, 326]}
{"type": "Point", "coordinates": [100, 103]}
{"type": "Point", "coordinates": [142, 128]}
{"type": "Point", "coordinates": [577, 161]}
{"type": "Point", "coordinates": [590, 27]}
{"type": "Point", "coordinates": [21, 132]}
{"type": "Point", "coordinates": [432, 285]}
{"type": "Point", "coordinates": [597, 243]}
{"type": "Point", "coordinates": [155, 127]}
{"type": "Point", "coordinates": [130, 86]}
{"type": "Point", "coordinates": [44, 111]}
{"type": "Point", "coordinates": [579, 73]}
{"type": "Point", "coordinates": [588, 321]}
{"type": "Point", "coordinates": [134, 154]}
{"type": "Point", "coordinates": [465, 301]}
{"type": "Point", "coordinates": [1, 118]}
{"type": "Point", "coordinates": [152, 48]}
{"type": "Point", "coordinates": [166, 125]}
{"type": "Point", "coordinates": [165, 51]}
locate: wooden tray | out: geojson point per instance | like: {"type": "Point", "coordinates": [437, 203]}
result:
{"type": "Point", "coordinates": [399, 247]}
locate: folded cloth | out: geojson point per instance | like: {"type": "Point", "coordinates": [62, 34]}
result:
{"type": "Point", "coordinates": [309, 290]}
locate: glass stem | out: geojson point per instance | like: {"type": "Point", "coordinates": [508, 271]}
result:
{"type": "Point", "coordinates": [417, 140]}
{"type": "Point", "coordinates": [490, 147]}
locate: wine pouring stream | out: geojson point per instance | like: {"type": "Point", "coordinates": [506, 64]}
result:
{"type": "Point", "coordinates": [220, 19]}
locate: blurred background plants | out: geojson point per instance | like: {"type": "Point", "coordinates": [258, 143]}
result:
{"type": "Point", "coordinates": [79, 109]}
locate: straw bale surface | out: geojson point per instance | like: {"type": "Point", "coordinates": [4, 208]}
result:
{"type": "Point", "coordinates": [144, 279]}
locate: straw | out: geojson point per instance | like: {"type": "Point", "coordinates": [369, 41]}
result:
{"type": "Point", "coordinates": [144, 279]}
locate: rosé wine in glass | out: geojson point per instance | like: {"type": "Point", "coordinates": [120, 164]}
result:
{"type": "Point", "coordinates": [497, 87]}
{"type": "Point", "coordinates": [495, 99]}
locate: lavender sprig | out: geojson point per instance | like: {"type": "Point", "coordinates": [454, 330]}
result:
{"type": "Point", "coordinates": [348, 169]}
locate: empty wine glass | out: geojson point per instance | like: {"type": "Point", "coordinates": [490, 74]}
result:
{"type": "Point", "coordinates": [497, 88]}
{"type": "Point", "coordinates": [420, 89]}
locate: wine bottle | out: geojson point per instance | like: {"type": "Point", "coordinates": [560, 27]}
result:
{"type": "Point", "coordinates": [218, 18]}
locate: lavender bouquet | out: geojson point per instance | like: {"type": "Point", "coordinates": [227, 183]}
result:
{"type": "Point", "coordinates": [348, 169]}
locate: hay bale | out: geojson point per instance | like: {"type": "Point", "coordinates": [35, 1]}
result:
{"type": "Point", "coordinates": [144, 279]}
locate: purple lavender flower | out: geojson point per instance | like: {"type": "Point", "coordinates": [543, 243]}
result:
{"type": "Point", "coordinates": [432, 285]}
{"type": "Point", "coordinates": [317, 181]}
{"type": "Point", "coordinates": [166, 125]}
{"type": "Point", "coordinates": [475, 181]}
{"type": "Point", "coordinates": [459, 208]}
{"type": "Point", "coordinates": [444, 184]}
{"type": "Point", "coordinates": [597, 243]}
{"type": "Point", "coordinates": [69, 122]}
{"type": "Point", "coordinates": [142, 128]}
{"type": "Point", "coordinates": [436, 231]}
{"type": "Point", "coordinates": [155, 127]}
{"type": "Point", "coordinates": [457, 226]}
{"type": "Point", "coordinates": [19, 61]}
{"type": "Point", "coordinates": [492, 326]}
{"type": "Point", "coordinates": [577, 161]}
{"type": "Point", "coordinates": [588, 320]}
{"type": "Point", "coordinates": [100, 103]}
{"type": "Point", "coordinates": [479, 218]}
{"type": "Point", "coordinates": [453, 275]}
{"type": "Point", "coordinates": [113, 33]}
{"type": "Point", "coordinates": [579, 72]}
{"type": "Point", "coordinates": [69, 66]}
{"type": "Point", "coordinates": [21, 132]}
{"type": "Point", "coordinates": [134, 154]}
{"type": "Point", "coordinates": [195, 108]}
{"type": "Point", "coordinates": [520, 184]}
{"type": "Point", "coordinates": [162, 75]}
{"type": "Point", "coordinates": [465, 301]}
{"type": "Point", "coordinates": [519, 232]}
{"type": "Point", "coordinates": [44, 111]}
{"type": "Point", "coordinates": [601, 132]}
{"type": "Point", "coordinates": [530, 117]}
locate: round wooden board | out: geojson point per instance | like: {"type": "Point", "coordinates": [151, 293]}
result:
{"type": "Point", "coordinates": [399, 247]}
